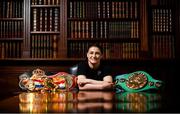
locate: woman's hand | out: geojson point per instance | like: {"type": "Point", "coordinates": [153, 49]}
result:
{"type": "Point", "coordinates": [107, 85]}
{"type": "Point", "coordinates": [81, 81]}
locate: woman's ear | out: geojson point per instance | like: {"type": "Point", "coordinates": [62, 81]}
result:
{"type": "Point", "coordinates": [87, 54]}
{"type": "Point", "coordinates": [102, 55]}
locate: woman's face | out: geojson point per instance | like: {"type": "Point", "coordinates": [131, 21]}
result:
{"type": "Point", "coordinates": [94, 55]}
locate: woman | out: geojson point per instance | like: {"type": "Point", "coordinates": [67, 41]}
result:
{"type": "Point", "coordinates": [92, 74]}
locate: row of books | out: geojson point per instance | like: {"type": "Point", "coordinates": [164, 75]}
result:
{"type": "Point", "coordinates": [162, 20]}
{"type": "Point", "coordinates": [121, 50]}
{"type": "Point", "coordinates": [44, 46]}
{"type": "Point", "coordinates": [168, 3]}
{"type": "Point", "coordinates": [103, 29]}
{"type": "Point", "coordinates": [11, 29]}
{"type": "Point", "coordinates": [125, 29]}
{"type": "Point", "coordinates": [125, 9]}
{"type": "Point", "coordinates": [11, 8]}
{"type": "Point", "coordinates": [163, 46]}
{"type": "Point", "coordinates": [10, 49]}
{"type": "Point", "coordinates": [87, 29]}
{"type": "Point", "coordinates": [103, 9]}
{"type": "Point", "coordinates": [45, 2]}
{"type": "Point", "coordinates": [45, 19]}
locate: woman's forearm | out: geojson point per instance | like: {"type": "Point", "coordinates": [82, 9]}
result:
{"type": "Point", "coordinates": [90, 87]}
{"type": "Point", "coordinates": [88, 81]}
{"type": "Point", "coordinates": [91, 81]}
{"type": "Point", "coordinates": [97, 86]}
{"type": "Point", "coordinates": [91, 84]}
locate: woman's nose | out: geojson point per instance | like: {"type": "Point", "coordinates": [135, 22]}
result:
{"type": "Point", "coordinates": [93, 55]}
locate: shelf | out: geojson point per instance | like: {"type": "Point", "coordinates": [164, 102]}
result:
{"type": "Point", "coordinates": [110, 40]}
{"type": "Point", "coordinates": [39, 61]}
{"type": "Point", "coordinates": [163, 33]}
{"type": "Point", "coordinates": [45, 6]}
{"type": "Point", "coordinates": [44, 32]}
{"type": "Point", "coordinates": [102, 19]}
{"type": "Point", "coordinates": [72, 61]}
{"type": "Point", "coordinates": [83, 59]}
{"type": "Point", "coordinates": [11, 19]}
{"type": "Point", "coordinates": [11, 39]}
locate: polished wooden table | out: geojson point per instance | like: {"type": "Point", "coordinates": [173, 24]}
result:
{"type": "Point", "coordinates": [86, 101]}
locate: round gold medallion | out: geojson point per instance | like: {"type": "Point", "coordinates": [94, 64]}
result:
{"type": "Point", "coordinates": [136, 81]}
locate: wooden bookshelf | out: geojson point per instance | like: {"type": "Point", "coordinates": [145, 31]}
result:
{"type": "Point", "coordinates": [112, 24]}
{"type": "Point", "coordinates": [162, 30]}
{"type": "Point", "coordinates": [44, 28]}
{"type": "Point", "coordinates": [11, 28]}
{"type": "Point", "coordinates": [63, 29]}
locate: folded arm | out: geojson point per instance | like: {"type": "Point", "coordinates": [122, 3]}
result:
{"type": "Point", "coordinates": [91, 84]}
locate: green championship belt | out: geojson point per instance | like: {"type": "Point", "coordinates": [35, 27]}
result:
{"type": "Point", "coordinates": [136, 82]}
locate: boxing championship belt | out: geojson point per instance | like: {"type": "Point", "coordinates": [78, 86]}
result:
{"type": "Point", "coordinates": [38, 80]}
{"type": "Point", "coordinates": [136, 82]}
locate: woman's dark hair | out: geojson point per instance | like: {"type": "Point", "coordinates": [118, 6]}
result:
{"type": "Point", "coordinates": [95, 45]}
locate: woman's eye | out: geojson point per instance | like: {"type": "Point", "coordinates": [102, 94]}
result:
{"type": "Point", "coordinates": [91, 53]}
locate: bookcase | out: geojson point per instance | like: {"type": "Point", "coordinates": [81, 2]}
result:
{"type": "Point", "coordinates": [11, 28]}
{"type": "Point", "coordinates": [112, 24]}
{"type": "Point", "coordinates": [63, 29]}
{"type": "Point", "coordinates": [162, 29]}
{"type": "Point", "coordinates": [44, 28]}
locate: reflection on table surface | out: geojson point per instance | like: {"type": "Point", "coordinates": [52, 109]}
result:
{"type": "Point", "coordinates": [82, 101]}
{"type": "Point", "coordinates": [95, 101]}
{"type": "Point", "coordinates": [65, 101]}
{"type": "Point", "coordinates": [47, 102]}
{"type": "Point", "coordinates": [138, 102]}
